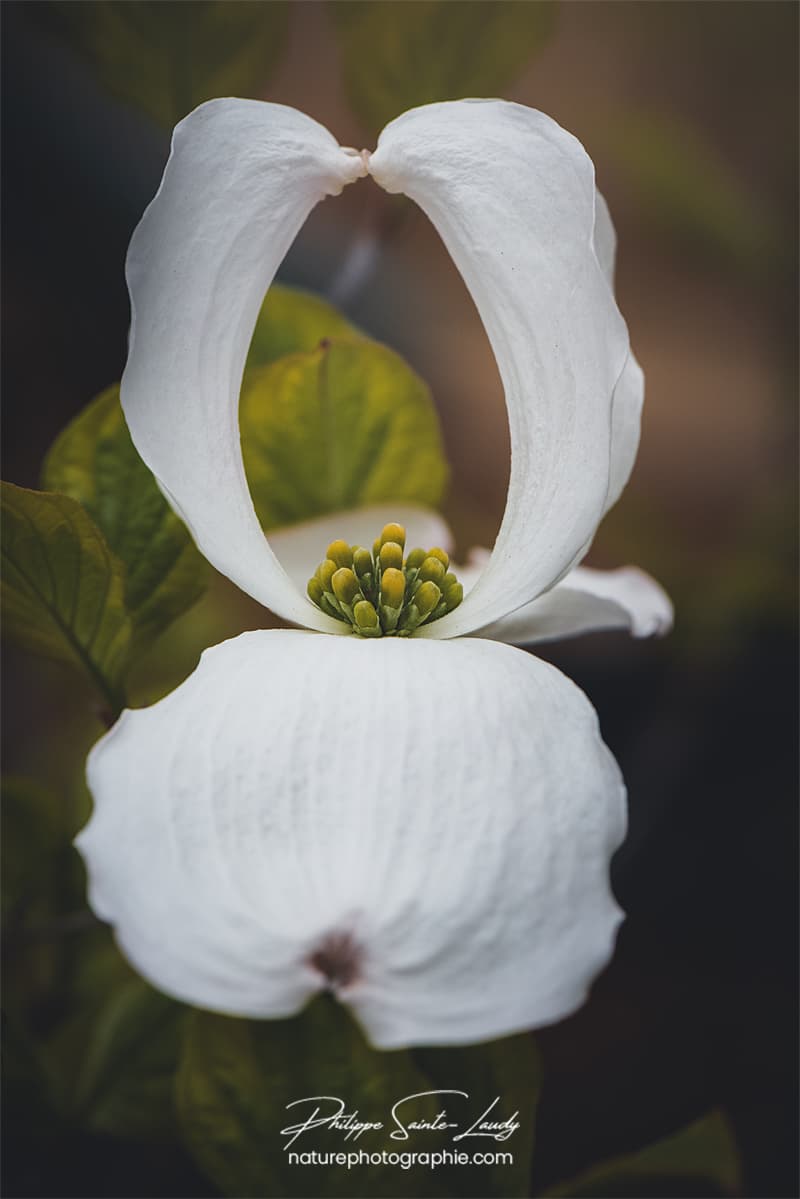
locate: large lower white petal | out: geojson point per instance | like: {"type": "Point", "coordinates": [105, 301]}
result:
{"type": "Point", "coordinates": [426, 826]}
{"type": "Point", "coordinates": [300, 548]}
{"type": "Point", "coordinates": [626, 414]}
{"type": "Point", "coordinates": [241, 179]}
{"type": "Point", "coordinates": [513, 198]}
{"type": "Point", "coordinates": [588, 601]}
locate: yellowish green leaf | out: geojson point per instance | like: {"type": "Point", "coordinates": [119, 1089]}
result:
{"type": "Point", "coordinates": [94, 461]}
{"type": "Point", "coordinates": [291, 320]}
{"type": "Point", "coordinates": [397, 55]}
{"type": "Point", "coordinates": [343, 426]}
{"type": "Point", "coordinates": [63, 588]}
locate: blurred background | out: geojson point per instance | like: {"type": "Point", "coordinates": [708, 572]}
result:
{"type": "Point", "coordinates": [690, 113]}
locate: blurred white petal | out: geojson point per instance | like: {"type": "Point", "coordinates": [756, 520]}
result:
{"type": "Point", "coordinates": [588, 601]}
{"type": "Point", "coordinates": [425, 826]}
{"type": "Point", "coordinates": [513, 198]}
{"type": "Point", "coordinates": [300, 548]}
{"type": "Point", "coordinates": [241, 179]}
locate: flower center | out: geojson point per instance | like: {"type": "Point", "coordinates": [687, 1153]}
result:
{"type": "Point", "coordinates": [383, 593]}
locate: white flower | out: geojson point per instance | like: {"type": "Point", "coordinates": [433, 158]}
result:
{"type": "Point", "coordinates": [423, 824]}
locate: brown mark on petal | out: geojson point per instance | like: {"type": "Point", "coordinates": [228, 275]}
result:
{"type": "Point", "coordinates": [337, 959]}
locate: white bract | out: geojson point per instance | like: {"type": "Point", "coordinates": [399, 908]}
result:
{"type": "Point", "coordinates": [423, 825]}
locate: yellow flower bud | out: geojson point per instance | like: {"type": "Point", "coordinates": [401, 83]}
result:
{"type": "Point", "coordinates": [345, 586]}
{"type": "Point", "coordinates": [393, 587]}
{"type": "Point", "coordinates": [340, 553]}
{"type": "Point", "coordinates": [393, 532]}
{"type": "Point", "coordinates": [391, 556]}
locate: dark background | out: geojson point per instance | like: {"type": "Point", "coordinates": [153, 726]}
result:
{"type": "Point", "coordinates": [689, 111]}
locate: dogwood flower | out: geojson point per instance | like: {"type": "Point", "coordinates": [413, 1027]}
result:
{"type": "Point", "coordinates": [422, 824]}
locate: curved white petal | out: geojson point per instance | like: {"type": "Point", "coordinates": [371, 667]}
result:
{"type": "Point", "coordinates": [300, 548]}
{"type": "Point", "coordinates": [587, 601]}
{"type": "Point", "coordinates": [513, 198]}
{"type": "Point", "coordinates": [605, 239]}
{"type": "Point", "coordinates": [425, 826]}
{"type": "Point", "coordinates": [626, 414]}
{"type": "Point", "coordinates": [241, 179]}
{"type": "Point", "coordinates": [626, 422]}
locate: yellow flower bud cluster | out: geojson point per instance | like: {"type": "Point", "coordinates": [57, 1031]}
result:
{"type": "Point", "coordinates": [383, 593]}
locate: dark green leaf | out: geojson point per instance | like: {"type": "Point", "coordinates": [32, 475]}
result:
{"type": "Point", "coordinates": [397, 55]}
{"type": "Point", "coordinates": [39, 868]}
{"type": "Point", "coordinates": [510, 1070]}
{"type": "Point", "coordinates": [700, 1159]}
{"type": "Point", "coordinates": [237, 1079]}
{"type": "Point", "coordinates": [346, 425]}
{"type": "Point", "coordinates": [31, 1123]}
{"type": "Point", "coordinates": [97, 973]}
{"type": "Point", "coordinates": [44, 913]}
{"type": "Point", "coordinates": [113, 1056]}
{"type": "Point", "coordinates": [63, 589]}
{"type": "Point", "coordinates": [94, 461]}
{"type": "Point", "coordinates": [291, 320]}
{"type": "Point", "coordinates": [238, 1076]}
{"type": "Point", "coordinates": [125, 1084]}
{"type": "Point", "coordinates": [34, 833]}
{"type": "Point", "coordinates": [167, 56]}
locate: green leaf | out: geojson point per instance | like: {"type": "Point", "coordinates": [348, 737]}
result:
{"type": "Point", "coordinates": [291, 320]}
{"type": "Point", "coordinates": [237, 1078]}
{"type": "Point", "coordinates": [346, 425]}
{"type": "Point", "coordinates": [125, 1083]}
{"type": "Point", "coordinates": [44, 914]}
{"type": "Point", "coordinates": [94, 461]}
{"type": "Point", "coordinates": [168, 56]}
{"type": "Point", "coordinates": [397, 55]}
{"type": "Point", "coordinates": [97, 972]}
{"type": "Point", "coordinates": [511, 1070]}
{"type": "Point", "coordinates": [63, 589]}
{"type": "Point", "coordinates": [32, 1123]}
{"type": "Point", "coordinates": [34, 833]}
{"type": "Point", "coordinates": [700, 1159]}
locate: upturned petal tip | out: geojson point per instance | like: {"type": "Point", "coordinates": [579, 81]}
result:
{"type": "Point", "coordinates": [423, 827]}
{"type": "Point", "coordinates": [589, 601]}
